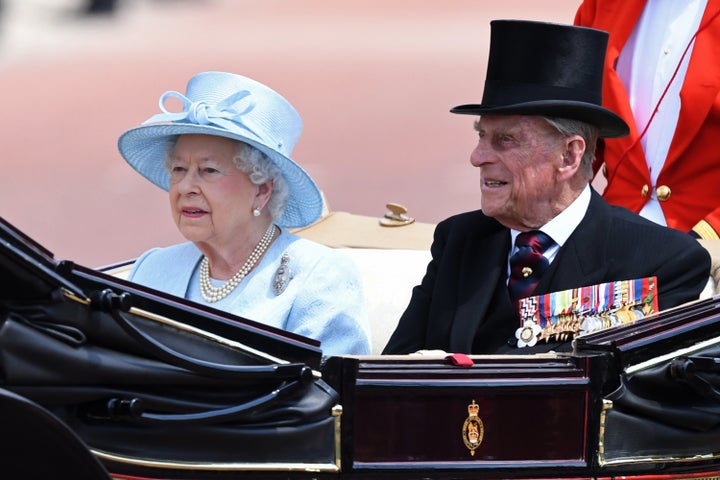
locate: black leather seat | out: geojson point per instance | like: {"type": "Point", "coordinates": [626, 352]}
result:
{"type": "Point", "coordinates": [37, 445]}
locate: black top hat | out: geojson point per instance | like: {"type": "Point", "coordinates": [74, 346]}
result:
{"type": "Point", "coordinates": [538, 68]}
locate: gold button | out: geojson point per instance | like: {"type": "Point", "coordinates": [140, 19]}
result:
{"type": "Point", "coordinates": [663, 192]}
{"type": "Point", "coordinates": [604, 170]}
{"type": "Point", "coordinates": [645, 190]}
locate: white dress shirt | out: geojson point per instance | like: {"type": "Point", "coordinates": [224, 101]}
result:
{"type": "Point", "coordinates": [561, 227]}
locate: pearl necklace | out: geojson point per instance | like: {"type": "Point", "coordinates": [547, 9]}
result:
{"type": "Point", "coordinates": [212, 294]}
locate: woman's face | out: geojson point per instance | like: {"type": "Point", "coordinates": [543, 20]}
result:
{"type": "Point", "coordinates": [210, 198]}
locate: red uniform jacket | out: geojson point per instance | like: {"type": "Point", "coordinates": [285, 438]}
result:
{"type": "Point", "coordinates": [689, 184]}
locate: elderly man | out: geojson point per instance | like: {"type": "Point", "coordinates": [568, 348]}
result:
{"type": "Point", "coordinates": [538, 125]}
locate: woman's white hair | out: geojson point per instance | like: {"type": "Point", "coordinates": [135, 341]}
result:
{"type": "Point", "coordinates": [260, 169]}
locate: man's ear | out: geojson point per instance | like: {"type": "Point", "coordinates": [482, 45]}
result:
{"type": "Point", "coordinates": [574, 151]}
{"type": "Point", "coordinates": [571, 157]}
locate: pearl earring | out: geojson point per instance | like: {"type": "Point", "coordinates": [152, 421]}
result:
{"type": "Point", "coordinates": [256, 212]}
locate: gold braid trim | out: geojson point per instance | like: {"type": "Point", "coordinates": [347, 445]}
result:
{"type": "Point", "coordinates": [706, 231]}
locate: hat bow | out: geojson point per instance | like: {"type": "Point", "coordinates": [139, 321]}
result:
{"type": "Point", "coordinates": [226, 114]}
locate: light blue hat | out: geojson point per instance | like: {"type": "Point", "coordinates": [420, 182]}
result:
{"type": "Point", "coordinates": [232, 106]}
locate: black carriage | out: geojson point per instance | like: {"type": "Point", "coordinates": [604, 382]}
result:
{"type": "Point", "coordinates": [113, 377]}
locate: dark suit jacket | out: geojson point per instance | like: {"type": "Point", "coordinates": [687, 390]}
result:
{"type": "Point", "coordinates": [462, 304]}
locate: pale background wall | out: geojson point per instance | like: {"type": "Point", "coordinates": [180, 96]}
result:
{"type": "Point", "coordinates": [373, 80]}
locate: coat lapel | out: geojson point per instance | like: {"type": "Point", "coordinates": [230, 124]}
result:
{"type": "Point", "coordinates": [703, 83]}
{"type": "Point", "coordinates": [576, 265]}
{"type": "Point", "coordinates": [484, 264]}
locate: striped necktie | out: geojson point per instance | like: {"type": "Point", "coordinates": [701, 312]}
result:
{"type": "Point", "coordinates": [527, 264]}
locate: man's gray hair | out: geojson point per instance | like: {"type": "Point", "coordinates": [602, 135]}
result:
{"type": "Point", "coordinates": [569, 127]}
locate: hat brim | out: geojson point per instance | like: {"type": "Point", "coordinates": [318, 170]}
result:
{"type": "Point", "coordinates": [144, 149]}
{"type": "Point", "coordinates": [609, 123]}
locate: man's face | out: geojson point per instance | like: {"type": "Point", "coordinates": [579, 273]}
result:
{"type": "Point", "coordinates": [520, 159]}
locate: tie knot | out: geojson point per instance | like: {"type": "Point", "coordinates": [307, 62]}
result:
{"type": "Point", "coordinates": [535, 239]}
{"type": "Point", "coordinates": [527, 264]}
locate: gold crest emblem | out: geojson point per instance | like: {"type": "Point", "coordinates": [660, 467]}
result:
{"type": "Point", "coordinates": [473, 429]}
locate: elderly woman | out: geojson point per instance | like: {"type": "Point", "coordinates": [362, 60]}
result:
{"type": "Point", "coordinates": [233, 188]}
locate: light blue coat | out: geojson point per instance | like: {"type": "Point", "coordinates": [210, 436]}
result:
{"type": "Point", "coordinates": [323, 299]}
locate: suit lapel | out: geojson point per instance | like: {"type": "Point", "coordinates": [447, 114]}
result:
{"type": "Point", "coordinates": [484, 263]}
{"type": "Point", "coordinates": [576, 265]}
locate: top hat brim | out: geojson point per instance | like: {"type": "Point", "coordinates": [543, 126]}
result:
{"type": "Point", "coordinates": [144, 149]}
{"type": "Point", "coordinates": [610, 125]}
